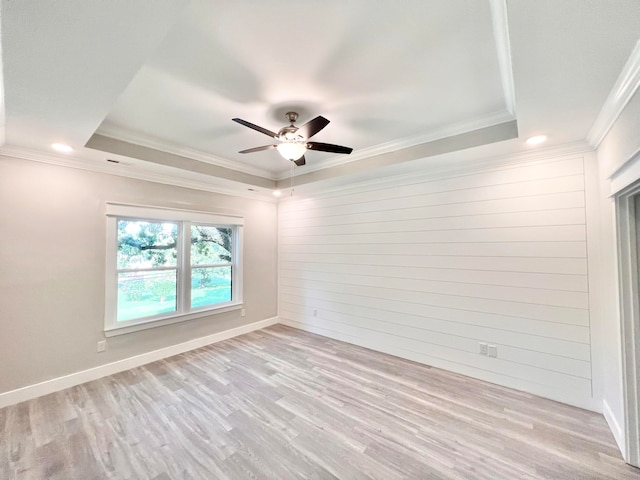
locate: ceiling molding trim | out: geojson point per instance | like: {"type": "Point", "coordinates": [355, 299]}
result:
{"type": "Point", "coordinates": [444, 168]}
{"type": "Point", "coordinates": [623, 90]}
{"type": "Point", "coordinates": [490, 120]}
{"type": "Point", "coordinates": [148, 141]}
{"type": "Point", "coordinates": [393, 161]}
{"type": "Point", "coordinates": [178, 162]}
{"type": "Point", "coordinates": [500, 19]}
{"type": "Point", "coordinates": [79, 163]}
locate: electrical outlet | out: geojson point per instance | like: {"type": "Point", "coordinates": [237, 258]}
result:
{"type": "Point", "coordinates": [483, 348]}
{"type": "Point", "coordinates": [102, 346]}
{"type": "Point", "coordinates": [242, 312]}
{"type": "Point", "coordinates": [315, 312]}
{"type": "Point", "coordinates": [492, 351]}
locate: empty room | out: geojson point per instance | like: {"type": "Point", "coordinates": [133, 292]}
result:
{"type": "Point", "coordinates": [319, 240]}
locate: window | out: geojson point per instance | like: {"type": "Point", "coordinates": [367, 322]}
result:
{"type": "Point", "coordinates": [165, 266]}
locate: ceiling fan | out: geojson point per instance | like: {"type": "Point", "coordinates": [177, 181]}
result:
{"type": "Point", "coordinates": [294, 141]}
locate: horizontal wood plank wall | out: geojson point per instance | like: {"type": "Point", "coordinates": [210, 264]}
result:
{"type": "Point", "coordinates": [427, 269]}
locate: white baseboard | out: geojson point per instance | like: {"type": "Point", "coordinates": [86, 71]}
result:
{"type": "Point", "coordinates": [56, 384]}
{"type": "Point", "coordinates": [615, 427]}
{"type": "Point", "coordinates": [580, 401]}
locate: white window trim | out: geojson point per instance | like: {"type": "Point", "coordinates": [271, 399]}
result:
{"type": "Point", "coordinates": [115, 211]}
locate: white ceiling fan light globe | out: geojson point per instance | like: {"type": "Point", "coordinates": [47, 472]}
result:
{"type": "Point", "coordinates": [292, 150]}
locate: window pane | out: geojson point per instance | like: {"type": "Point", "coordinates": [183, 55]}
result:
{"type": "Point", "coordinates": [147, 244]}
{"type": "Point", "coordinates": [210, 245]}
{"type": "Point", "coordinates": [210, 286]}
{"type": "Point", "coordinates": [143, 294]}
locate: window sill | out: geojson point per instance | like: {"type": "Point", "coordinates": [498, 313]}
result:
{"type": "Point", "coordinates": [115, 331]}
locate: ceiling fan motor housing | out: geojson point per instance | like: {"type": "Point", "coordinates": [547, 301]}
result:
{"type": "Point", "coordinates": [288, 134]}
{"type": "Point", "coordinates": [293, 140]}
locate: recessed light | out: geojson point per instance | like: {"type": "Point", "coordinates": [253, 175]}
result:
{"type": "Point", "coordinates": [61, 147]}
{"type": "Point", "coordinates": [277, 193]}
{"type": "Point", "coordinates": [536, 139]}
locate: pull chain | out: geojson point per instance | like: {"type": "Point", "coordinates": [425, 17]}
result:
{"type": "Point", "coordinates": [292, 177]}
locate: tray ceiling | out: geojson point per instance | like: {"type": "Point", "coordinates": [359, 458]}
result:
{"type": "Point", "coordinates": [155, 83]}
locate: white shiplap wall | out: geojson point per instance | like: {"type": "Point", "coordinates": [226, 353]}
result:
{"type": "Point", "coordinates": [427, 268]}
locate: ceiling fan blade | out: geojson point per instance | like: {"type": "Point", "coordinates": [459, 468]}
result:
{"type": "Point", "coordinates": [328, 147]}
{"type": "Point", "coordinates": [301, 161]}
{"type": "Point", "coordinates": [257, 149]}
{"type": "Point", "coordinates": [312, 127]}
{"type": "Point", "coordinates": [254, 127]}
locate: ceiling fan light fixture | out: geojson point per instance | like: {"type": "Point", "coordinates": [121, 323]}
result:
{"type": "Point", "coordinates": [292, 150]}
{"type": "Point", "coordinates": [294, 141]}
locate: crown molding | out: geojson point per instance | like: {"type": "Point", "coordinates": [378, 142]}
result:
{"type": "Point", "coordinates": [625, 87]}
{"type": "Point", "coordinates": [500, 20]}
{"type": "Point", "coordinates": [117, 133]}
{"type": "Point", "coordinates": [407, 142]}
{"type": "Point", "coordinates": [224, 187]}
{"type": "Point", "coordinates": [445, 167]}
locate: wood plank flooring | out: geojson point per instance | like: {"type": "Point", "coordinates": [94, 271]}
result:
{"type": "Point", "coordinates": [284, 404]}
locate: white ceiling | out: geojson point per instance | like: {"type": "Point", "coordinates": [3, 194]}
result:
{"type": "Point", "coordinates": [170, 75]}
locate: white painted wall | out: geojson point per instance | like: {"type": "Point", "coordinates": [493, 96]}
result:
{"type": "Point", "coordinates": [52, 269]}
{"type": "Point", "coordinates": [426, 268]}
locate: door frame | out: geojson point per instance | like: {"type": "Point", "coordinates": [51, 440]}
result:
{"type": "Point", "coordinates": [628, 230]}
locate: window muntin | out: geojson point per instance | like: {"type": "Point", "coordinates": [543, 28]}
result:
{"type": "Point", "coordinates": [169, 265]}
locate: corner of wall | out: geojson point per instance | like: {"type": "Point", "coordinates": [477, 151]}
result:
{"type": "Point", "coordinates": [595, 268]}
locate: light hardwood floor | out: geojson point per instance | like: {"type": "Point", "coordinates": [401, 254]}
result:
{"type": "Point", "coordinates": [280, 403]}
